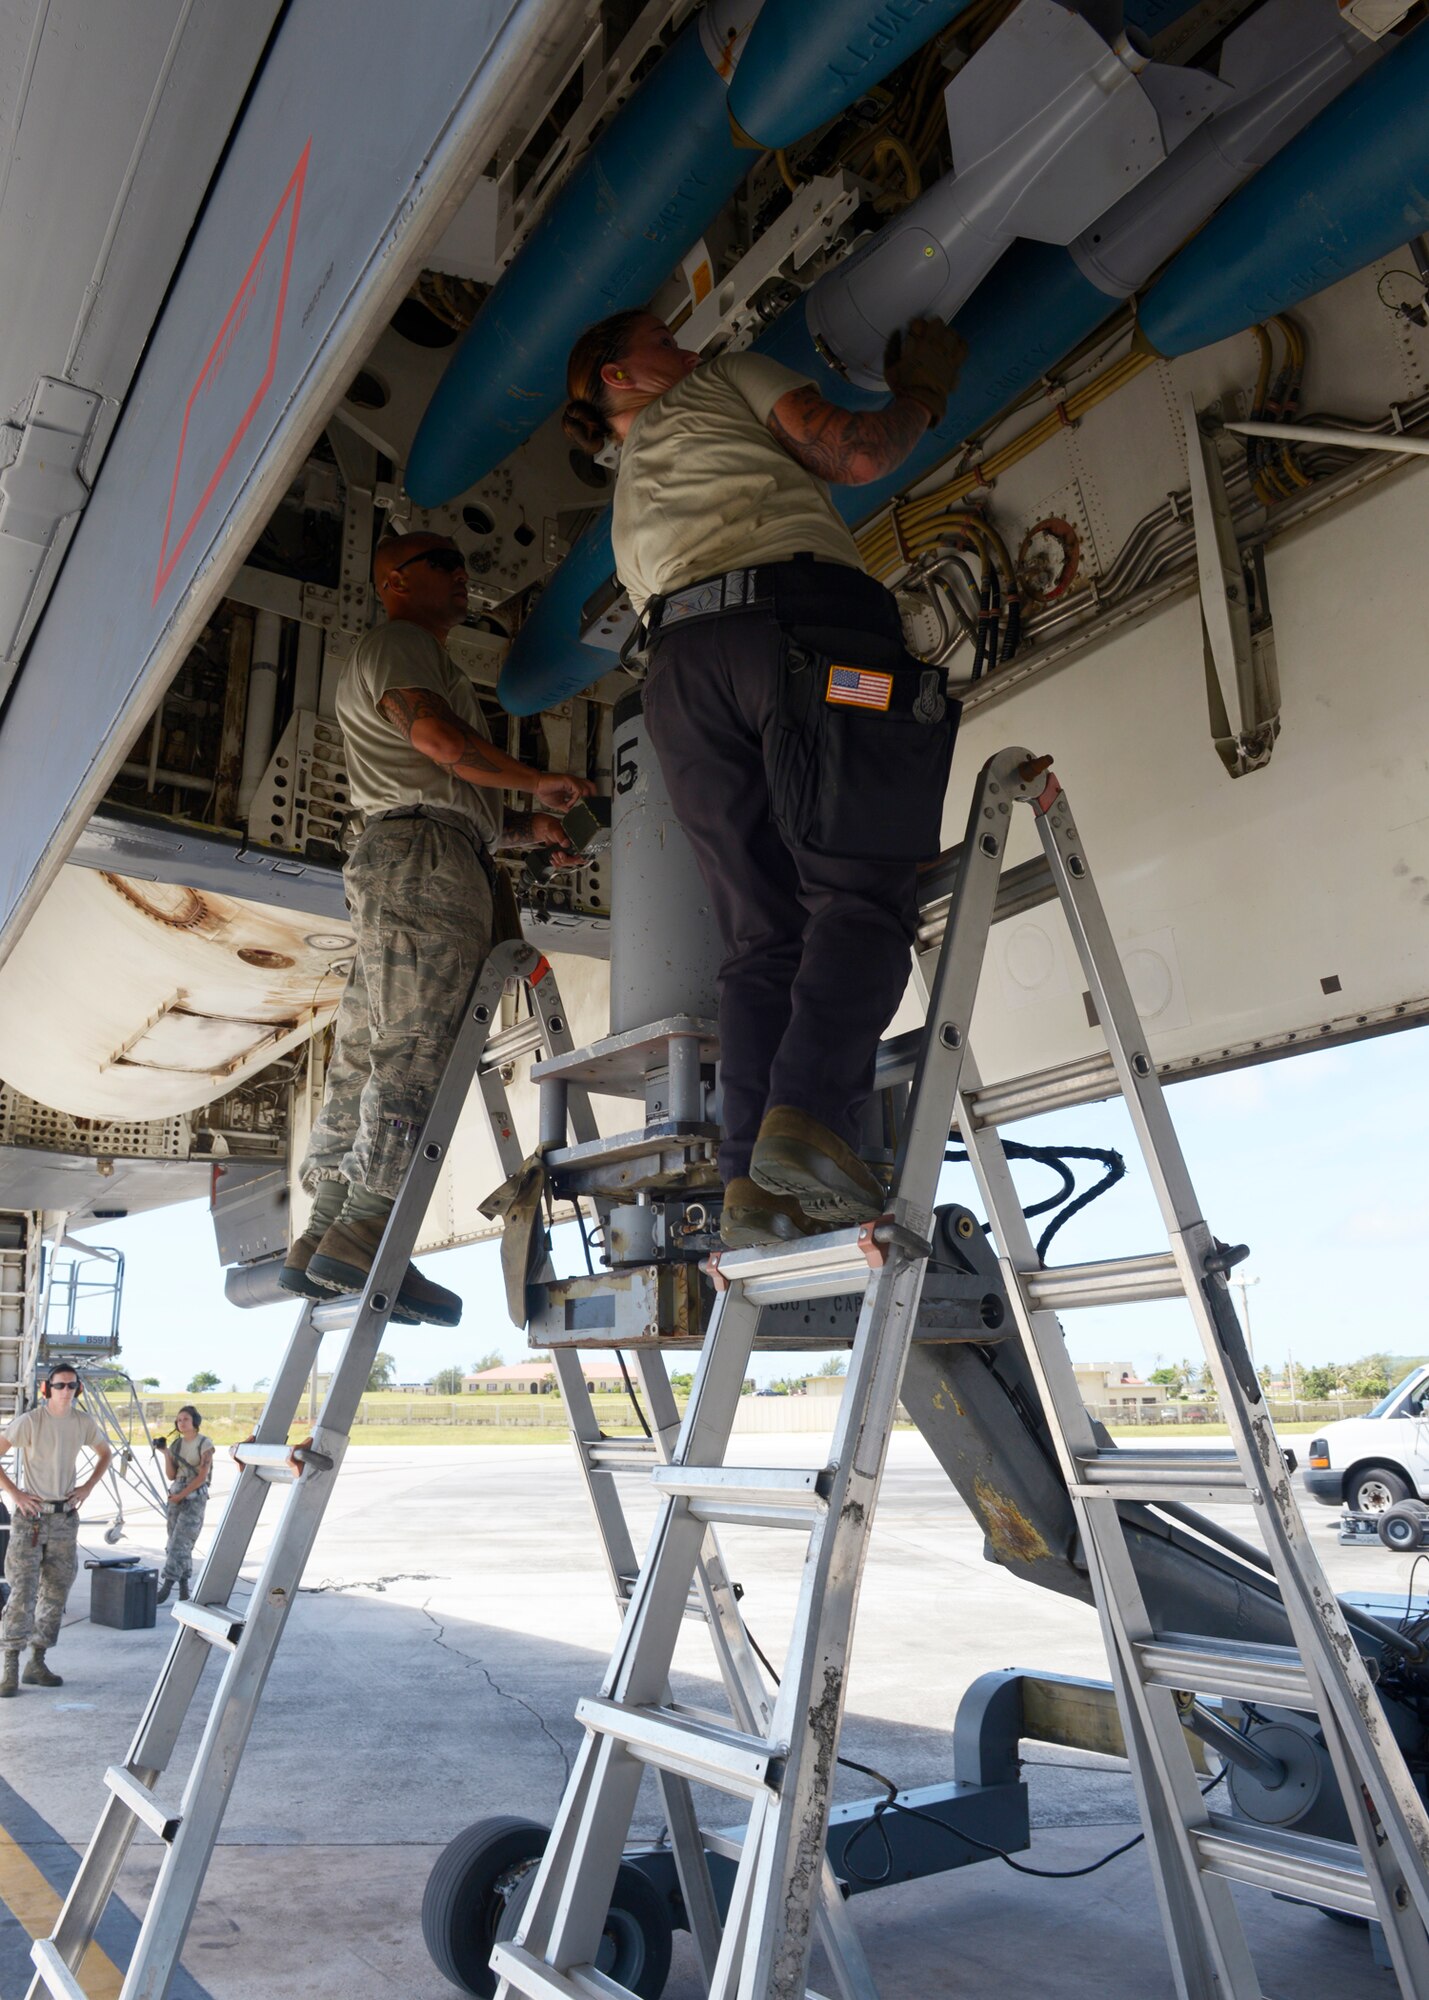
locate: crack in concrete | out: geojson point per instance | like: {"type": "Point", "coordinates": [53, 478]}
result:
{"type": "Point", "coordinates": [505, 1694]}
{"type": "Point", "coordinates": [377, 1583]}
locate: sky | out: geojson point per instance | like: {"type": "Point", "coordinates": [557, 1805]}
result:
{"type": "Point", "coordinates": [1317, 1162]}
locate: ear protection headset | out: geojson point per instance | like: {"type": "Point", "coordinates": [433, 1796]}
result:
{"type": "Point", "coordinates": [69, 1369]}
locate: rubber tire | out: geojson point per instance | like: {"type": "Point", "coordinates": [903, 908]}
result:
{"type": "Point", "coordinates": [461, 1907]}
{"type": "Point", "coordinates": [1394, 1485]}
{"type": "Point", "coordinates": [639, 1932]}
{"type": "Point", "coordinates": [1399, 1527]}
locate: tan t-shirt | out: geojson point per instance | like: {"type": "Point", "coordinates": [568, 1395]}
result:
{"type": "Point", "coordinates": [704, 486]}
{"type": "Point", "coordinates": [49, 1448]}
{"type": "Point", "coordinates": [383, 769]}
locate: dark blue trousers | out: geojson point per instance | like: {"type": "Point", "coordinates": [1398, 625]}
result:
{"type": "Point", "coordinates": [816, 949]}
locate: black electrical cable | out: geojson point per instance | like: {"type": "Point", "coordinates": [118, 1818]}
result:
{"type": "Point", "coordinates": [585, 1241]}
{"type": "Point", "coordinates": [1056, 1157]}
{"type": "Point", "coordinates": [892, 1804]}
{"type": "Point", "coordinates": [630, 1392]}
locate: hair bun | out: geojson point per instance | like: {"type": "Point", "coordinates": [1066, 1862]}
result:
{"type": "Point", "coordinates": [584, 425]}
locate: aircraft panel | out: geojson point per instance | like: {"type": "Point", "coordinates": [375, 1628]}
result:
{"type": "Point", "coordinates": [1259, 914]}
{"type": "Point", "coordinates": [321, 209]}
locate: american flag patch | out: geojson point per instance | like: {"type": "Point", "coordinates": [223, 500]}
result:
{"type": "Point", "coordinates": [856, 687]}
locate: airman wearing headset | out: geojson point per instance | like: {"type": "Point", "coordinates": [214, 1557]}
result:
{"type": "Point", "coordinates": [43, 1555]}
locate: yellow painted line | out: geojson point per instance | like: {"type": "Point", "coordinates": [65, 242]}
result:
{"type": "Point", "coordinates": [27, 1893]}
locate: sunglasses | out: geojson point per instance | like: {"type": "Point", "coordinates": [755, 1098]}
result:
{"type": "Point", "coordinates": [64, 1385]}
{"type": "Point", "coordinates": [450, 560]}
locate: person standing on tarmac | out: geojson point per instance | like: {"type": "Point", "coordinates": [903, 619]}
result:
{"type": "Point", "coordinates": [426, 903]}
{"type": "Point", "coordinates": [188, 1462]}
{"type": "Point", "coordinates": [805, 751]}
{"type": "Point", "coordinates": [43, 1556]}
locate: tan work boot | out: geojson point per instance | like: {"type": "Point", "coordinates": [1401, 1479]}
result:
{"type": "Point", "coordinates": [9, 1675]}
{"type": "Point", "coordinates": [343, 1259]}
{"type": "Point", "coordinates": [752, 1216]}
{"type": "Point", "coordinates": [37, 1674]}
{"type": "Point", "coordinates": [294, 1276]}
{"type": "Point", "coordinates": [796, 1156]}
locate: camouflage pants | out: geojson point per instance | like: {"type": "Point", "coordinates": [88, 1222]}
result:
{"type": "Point", "coordinates": [421, 908]}
{"type": "Point", "coordinates": [185, 1520]}
{"type": "Point", "coordinates": [40, 1566]}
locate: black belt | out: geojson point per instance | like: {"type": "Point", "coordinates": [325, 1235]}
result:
{"type": "Point", "coordinates": [55, 1507]}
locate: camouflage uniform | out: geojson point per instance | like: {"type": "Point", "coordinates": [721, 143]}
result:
{"type": "Point", "coordinates": [421, 906]}
{"type": "Point", "coordinates": [40, 1567]}
{"type": "Point", "coordinates": [185, 1520]}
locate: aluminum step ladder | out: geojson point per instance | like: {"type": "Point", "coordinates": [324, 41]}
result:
{"type": "Point", "coordinates": [783, 1770]}
{"type": "Point", "coordinates": [1196, 1852]}
{"type": "Point", "coordinates": [247, 1636]}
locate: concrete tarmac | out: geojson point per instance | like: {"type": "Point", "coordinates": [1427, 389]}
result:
{"type": "Point", "coordinates": [455, 1610]}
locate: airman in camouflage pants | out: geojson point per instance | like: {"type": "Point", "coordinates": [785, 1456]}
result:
{"type": "Point", "coordinates": [40, 1567]}
{"type": "Point", "coordinates": [421, 906]}
{"type": "Point", "coordinates": [185, 1520]}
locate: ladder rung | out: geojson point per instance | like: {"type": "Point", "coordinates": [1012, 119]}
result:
{"type": "Point", "coordinates": [218, 1623]}
{"type": "Point", "coordinates": [1192, 1476]}
{"type": "Point", "coordinates": [620, 1454]}
{"type": "Point", "coordinates": [533, 1976]}
{"type": "Point", "coordinates": [816, 1267]}
{"type": "Point", "coordinates": [1113, 1282]}
{"type": "Point", "coordinates": [1227, 1668]}
{"type": "Point", "coordinates": [54, 1972]}
{"type": "Point", "coordinates": [737, 1496]}
{"type": "Point", "coordinates": [273, 1462]}
{"type": "Point", "coordinates": [508, 1044]}
{"type": "Point", "coordinates": [707, 1753]}
{"type": "Point", "coordinates": [141, 1801]}
{"type": "Point", "coordinates": [1288, 1864]}
{"type": "Point", "coordinates": [1080, 1082]}
{"type": "Point", "coordinates": [335, 1315]}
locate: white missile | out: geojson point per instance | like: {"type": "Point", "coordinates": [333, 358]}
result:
{"type": "Point", "coordinates": [1052, 123]}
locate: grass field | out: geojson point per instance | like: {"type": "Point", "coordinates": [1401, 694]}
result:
{"type": "Point", "coordinates": [393, 1417]}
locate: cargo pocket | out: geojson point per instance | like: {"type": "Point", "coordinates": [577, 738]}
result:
{"type": "Point", "coordinates": [861, 755]}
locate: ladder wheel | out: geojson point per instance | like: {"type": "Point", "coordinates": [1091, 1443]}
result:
{"type": "Point", "coordinates": [466, 1896]}
{"type": "Point", "coordinates": [639, 1932]}
{"type": "Point", "coordinates": [1399, 1525]}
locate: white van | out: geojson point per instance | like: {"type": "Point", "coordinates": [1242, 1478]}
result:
{"type": "Point", "coordinates": [1367, 1463]}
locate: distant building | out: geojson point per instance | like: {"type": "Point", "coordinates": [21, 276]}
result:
{"type": "Point", "coordinates": [538, 1378]}
{"type": "Point", "coordinates": [1115, 1385]}
{"type": "Point", "coordinates": [822, 1385]}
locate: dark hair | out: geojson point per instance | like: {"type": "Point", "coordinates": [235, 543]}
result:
{"type": "Point", "coordinates": [585, 419]}
{"type": "Point", "coordinates": [188, 1410]}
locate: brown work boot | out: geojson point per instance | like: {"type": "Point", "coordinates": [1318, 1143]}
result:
{"type": "Point", "coordinates": [343, 1259]}
{"type": "Point", "coordinates": [294, 1277]}
{"type": "Point", "coordinates": [752, 1216]}
{"type": "Point", "coordinates": [37, 1674]}
{"type": "Point", "coordinates": [9, 1675]}
{"type": "Point", "coordinates": [796, 1156]}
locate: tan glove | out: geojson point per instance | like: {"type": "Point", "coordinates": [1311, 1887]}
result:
{"type": "Point", "coordinates": [924, 362]}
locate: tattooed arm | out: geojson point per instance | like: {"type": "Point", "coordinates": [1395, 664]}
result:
{"type": "Point", "coordinates": [430, 727]}
{"type": "Point", "coordinates": [846, 447]}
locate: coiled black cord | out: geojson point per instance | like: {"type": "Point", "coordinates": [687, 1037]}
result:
{"type": "Point", "coordinates": [1056, 1158]}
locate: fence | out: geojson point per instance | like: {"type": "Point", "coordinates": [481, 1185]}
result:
{"type": "Point", "coordinates": [1282, 1410]}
